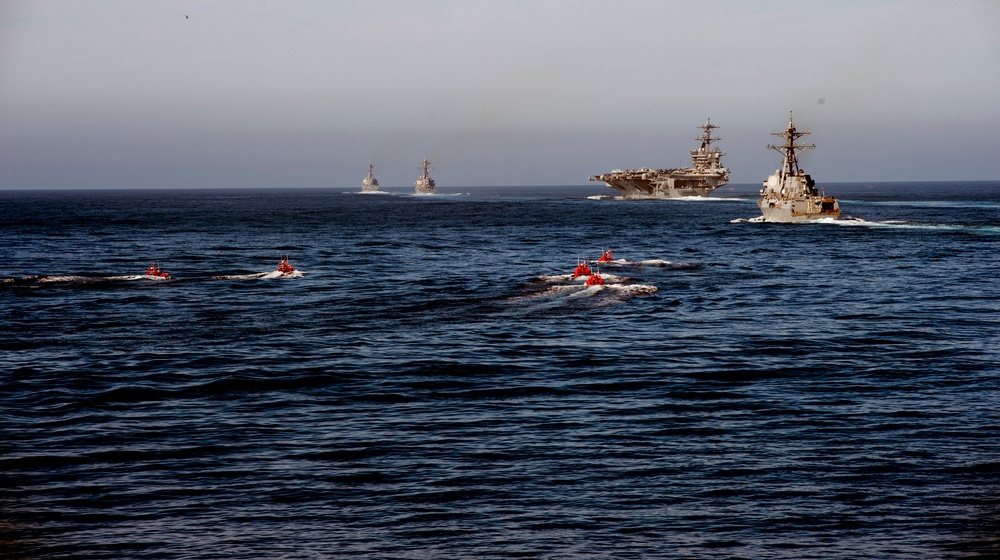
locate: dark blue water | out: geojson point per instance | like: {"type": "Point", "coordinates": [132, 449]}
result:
{"type": "Point", "coordinates": [431, 387]}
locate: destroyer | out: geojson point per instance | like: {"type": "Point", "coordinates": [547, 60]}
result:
{"type": "Point", "coordinates": [425, 185]}
{"type": "Point", "coordinates": [370, 183]}
{"type": "Point", "coordinates": [790, 195]}
{"type": "Point", "coordinates": [704, 176]}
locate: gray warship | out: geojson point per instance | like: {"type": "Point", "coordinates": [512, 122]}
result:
{"type": "Point", "coordinates": [790, 195]}
{"type": "Point", "coordinates": [704, 176]}
{"type": "Point", "coordinates": [424, 184]}
{"type": "Point", "coordinates": [370, 183]}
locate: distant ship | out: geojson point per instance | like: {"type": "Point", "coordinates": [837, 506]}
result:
{"type": "Point", "coordinates": [704, 176]}
{"type": "Point", "coordinates": [370, 183]}
{"type": "Point", "coordinates": [790, 195]}
{"type": "Point", "coordinates": [426, 185]}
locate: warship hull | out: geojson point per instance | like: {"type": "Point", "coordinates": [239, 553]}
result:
{"type": "Point", "coordinates": [705, 174]}
{"type": "Point", "coordinates": [662, 183]}
{"type": "Point", "coordinates": [799, 210]}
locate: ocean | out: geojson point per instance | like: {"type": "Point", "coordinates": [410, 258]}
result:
{"type": "Point", "coordinates": [433, 383]}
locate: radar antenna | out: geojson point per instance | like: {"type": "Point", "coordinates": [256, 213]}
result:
{"type": "Point", "coordinates": [788, 149]}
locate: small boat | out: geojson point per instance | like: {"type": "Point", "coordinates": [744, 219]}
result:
{"type": "Point", "coordinates": [606, 256]}
{"type": "Point", "coordinates": [154, 271]}
{"type": "Point", "coordinates": [284, 267]}
{"type": "Point", "coordinates": [581, 270]}
{"type": "Point", "coordinates": [595, 279]}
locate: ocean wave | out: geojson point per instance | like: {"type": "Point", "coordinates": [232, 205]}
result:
{"type": "Point", "coordinates": [905, 224]}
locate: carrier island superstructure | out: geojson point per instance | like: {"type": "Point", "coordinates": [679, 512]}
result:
{"type": "Point", "coordinates": [704, 176]}
{"type": "Point", "coordinates": [790, 195]}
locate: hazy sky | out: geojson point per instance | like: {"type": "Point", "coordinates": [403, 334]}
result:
{"type": "Point", "coordinates": [252, 93]}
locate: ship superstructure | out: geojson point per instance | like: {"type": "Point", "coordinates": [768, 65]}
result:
{"type": "Point", "coordinates": [424, 184]}
{"type": "Point", "coordinates": [704, 176]}
{"type": "Point", "coordinates": [790, 195]}
{"type": "Point", "coordinates": [370, 183]}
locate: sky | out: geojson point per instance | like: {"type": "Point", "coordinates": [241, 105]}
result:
{"type": "Point", "coordinates": [305, 93]}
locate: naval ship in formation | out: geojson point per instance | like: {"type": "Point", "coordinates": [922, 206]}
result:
{"type": "Point", "coordinates": [370, 183]}
{"type": "Point", "coordinates": [424, 184]}
{"type": "Point", "coordinates": [704, 176]}
{"type": "Point", "coordinates": [790, 195]}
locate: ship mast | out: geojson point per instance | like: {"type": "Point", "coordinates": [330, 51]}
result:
{"type": "Point", "coordinates": [790, 162]}
{"type": "Point", "coordinates": [371, 170]}
{"type": "Point", "coordinates": [426, 168]}
{"type": "Point", "coordinates": [704, 157]}
{"type": "Point", "coordinates": [706, 139]}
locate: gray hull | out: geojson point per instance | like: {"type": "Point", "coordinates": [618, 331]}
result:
{"type": "Point", "coordinates": [425, 187]}
{"type": "Point", "coordinates": [662, 183]}
{"type": "Point", "coordinates": [799, 210]}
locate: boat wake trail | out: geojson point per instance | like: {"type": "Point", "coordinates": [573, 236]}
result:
{"type": "Point", "coordinates": [562, 289]}
{"type": "Point", "coordinates": [595, 296]}
{"type": "Point", "coordinates": [580, 280]}
{"type": "Point", "coordinates": [650, 262]}
{"type": "Point", "coordinates": [850, 221]}
{"type": "Point", "coordinates": [70, 281]}
{"type": "Point", "coordinates": [91, 281]}
{"type": "Point", "coordinates": [256, 275]}
{"type": "Point", "coordinates": [279, 274]}
{"type": "Point", "coordinates": [763, 220]}
{"type": "Point", "coordinates": [253, 276]}
{"type": "Point", "coordinates": [904, 224]}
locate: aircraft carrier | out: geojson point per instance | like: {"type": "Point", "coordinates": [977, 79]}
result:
{"type": "Point", "coordinates": [704, 176]}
